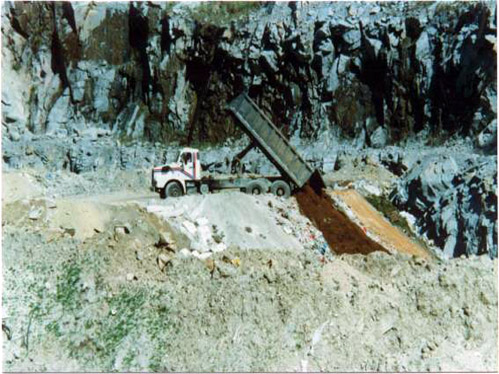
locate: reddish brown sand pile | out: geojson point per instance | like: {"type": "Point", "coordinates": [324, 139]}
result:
{"type": "Point", "coordinates": [342, 235]}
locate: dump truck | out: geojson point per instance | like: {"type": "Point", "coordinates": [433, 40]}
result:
{"type": "Point", "coordinates": [186, 177]}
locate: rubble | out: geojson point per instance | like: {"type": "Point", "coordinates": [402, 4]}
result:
{"type": "Point", "coordinates": [163, 260]}
{"type": "Point", "coordinates": [35, 213]}
{"type": "Point", "coordinates": [166, 240]}
{"type": "Point", "coordinates": [430, 315]}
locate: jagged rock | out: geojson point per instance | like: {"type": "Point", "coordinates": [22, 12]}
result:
{"type": "Point", "coordinates": [269, 60]}
{"type": "Point", "coordinates": [352, 38]}
{"type": "Point", "coordinates": [342, 160]}
{"type": "Point", "coordinates": [487, 139]}
{"type": "Point", "coordinates": [60, 114]}
{"type": "Point", "coordinates": [395, 161]}
{"type": "Point", "coordinates": [379, 138]}
{"type": "Point", "coordinates": [423, 185]}
{"type": "Point", "coordinates": [178, 72]}
{"type": "Point", "coordinates": [454, 207]}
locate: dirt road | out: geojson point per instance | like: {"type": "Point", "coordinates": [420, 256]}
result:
{"type": "Point", "coordinates": [82, 212]}
{"type": "Point", "coordinates": [374, 223]}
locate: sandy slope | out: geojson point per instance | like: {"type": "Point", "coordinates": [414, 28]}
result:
{"type": "Point", "coordinates": [376, 225]}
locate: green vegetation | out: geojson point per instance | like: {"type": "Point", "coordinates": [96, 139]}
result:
{"type": "Point", "coordinates": [392, 214]}
{"type": "Point", "coordinates": [222, 13]}
{"type": "Point", "coordinates": [67, 287]}
{"type": "Point", "coordinates": [122, 319]}
{"type": "Point", "coordinates": [383, 205]}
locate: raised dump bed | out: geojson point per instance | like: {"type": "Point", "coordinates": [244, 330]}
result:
{"type": "Point", "coordinates": [271, 141]}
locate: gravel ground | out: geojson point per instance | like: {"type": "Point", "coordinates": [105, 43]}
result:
{"type": "Point", "coordinates": [122, 297]}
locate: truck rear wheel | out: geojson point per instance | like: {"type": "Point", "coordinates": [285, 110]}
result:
{"type": "Point", "coordinates": [255, 188]}
{"type": "Point", "coordinates": [280, 188]}
{"type": "Point", "coordinates": [173, 189]}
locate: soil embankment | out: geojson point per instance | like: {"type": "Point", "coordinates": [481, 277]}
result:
{"type": "Point", "coordinates": [342, 235]}
{"type": "Point", "coordinates": [384, 233]}
{"type": "Point", "coordinates": [81, 302]}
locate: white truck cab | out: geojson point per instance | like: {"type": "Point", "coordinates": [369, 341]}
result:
{"type": "Point", "coordinates": [185, 177]}
{"type": "Point", "coordinates": [170, 179]}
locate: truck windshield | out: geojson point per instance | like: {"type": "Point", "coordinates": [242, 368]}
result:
{"type": "Point", "coordinates": [185, 158]}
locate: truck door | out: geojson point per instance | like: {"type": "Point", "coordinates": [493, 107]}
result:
{"type": "Point", "coordinates": [188, 164]}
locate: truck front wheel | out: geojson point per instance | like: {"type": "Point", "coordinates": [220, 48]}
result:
{"type": "Point", "coordinates": [204, 189]}
{"type": "Point", "coordinates": [280, 188]}
{"type": "Point", "coordinates": [173, 189]}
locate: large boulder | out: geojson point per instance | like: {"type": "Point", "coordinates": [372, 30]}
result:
{"type": "Point", "coordinates": [379, 138]}
{"type": "Point", "coordinates": [487, 139]}
{"type": "Point", "coordinates": [455, 207]}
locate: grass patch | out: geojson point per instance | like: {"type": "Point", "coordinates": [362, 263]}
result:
{"type": "Point", "coordinates": [125, 309]}
{"type": "Point", "coordinates": [383, 205]}
{"type": "Point", "coordinates": [67, 287]}
{"type": "Point", "coordinates": [222, 13]}
{"type": "Point", "coordinates": [392, 214]}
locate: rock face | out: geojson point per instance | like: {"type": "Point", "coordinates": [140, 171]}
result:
{"type": "Point", "coordinates": [455, 205]}
{"type": "Point", "coordinates": [93, 85]}
{"type": "Point", "coordinates": [163, 71]}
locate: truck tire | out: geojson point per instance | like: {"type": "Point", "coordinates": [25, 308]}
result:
{"type": "Point", "coordinates": [280, 188]}
{"type": "Point", "coordinates": [255, 188]}
{"type": "Point", "coordinates": [174, 189]}
{"type": "Point", "coordinates": [204, 189]}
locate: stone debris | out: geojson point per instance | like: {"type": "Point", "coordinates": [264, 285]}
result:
{"type": "Point", "coordinates": [166, 240]}
{"type": "Point", "coordinates": [51, 204]}
{"type": "Point", "coordinates": [211, 228]}
{"type": "Point", "coordinates": [35, 213]}
{"type": "Point", "coordinates": [190, 227]}
{"type": "Point", "coordinates": [185, 253]}
{"type": "Point", "coordinates": [122, 229]}
{"type": "Point", "coordinates": [138, 255]}
{"type": "Point", "coordinates": [119, 232]}
{"type": "Point", "coordinates": [70, 231]}
{"type": "Point", "coordinates": [201, 256]}
{"type": "Point", "coordinates": [423, 312]}
{"type": "Point", "coordinates": [163, 260]}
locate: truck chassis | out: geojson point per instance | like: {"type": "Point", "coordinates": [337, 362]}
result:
{"type": "Point", "coordinates": [184, 177]}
